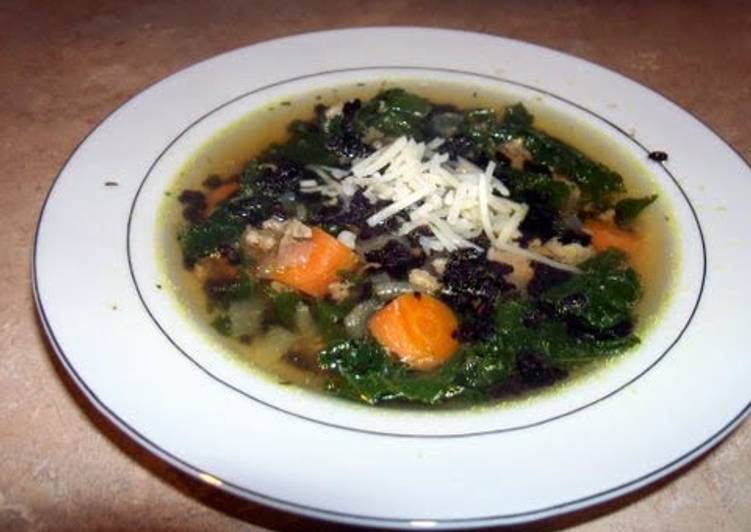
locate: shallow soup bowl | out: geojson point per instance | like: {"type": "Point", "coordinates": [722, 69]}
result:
{"type": "Point", "coordinates": [167, 378]}
{"type": "Point", "coordinates": [155, 256]}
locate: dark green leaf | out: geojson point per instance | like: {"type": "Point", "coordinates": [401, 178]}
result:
{"type": "Point", "coordinates": [307, 147]}
{"type": "Point", "coordinates": [365, 372]}
{"type": "Point", "coordinates": [627, 209]}
{"type": "Point", "coordinates": [486, 364]}
{"type": "Point", "coordinates": [329, 318]}
{"type": "Point", "coordinates": [223, 324]}
{"type": "Point", "coordinates": [208, 235]}
{"type": "Point", "coordinates": [550, 338]}
{"type": "Point", "coordinates": [282, 308]}
{"type": "Point", "coordinates": [602, 296]}
{"type": "Point", "coordinates": [480, 126]}
{"type": "Point", "coordinates": [595, 180]}
{"type": "Point", "coordinates": [552, 192]}
{"type": "Point", "coordinates": [249, 178]}
{"type": "Point", "coordinates": [222, 292]}
{"type": "Point", "coordinates": [394, 112]}
{"type": "Point", "coordinates": [487, 133]}
{"type": "Point", "coordinates": [517, 115]}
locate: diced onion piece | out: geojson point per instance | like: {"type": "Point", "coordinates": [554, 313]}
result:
{"type": "Point", "coordinates": [348, 238]}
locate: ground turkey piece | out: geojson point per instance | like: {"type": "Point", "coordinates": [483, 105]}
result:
{"type": "Point", "coordinates": [423, 281]}
{"type": "Point", "coordinates": [339, 291]}
{"type": "Point", "coordinates": [572, 253]}
{"type": "Point", "coordinates": [259, 239]}
{"type": "Point", "coordinates": [516, 152]}
{"type": "Point", "coordinates": [396, 259]}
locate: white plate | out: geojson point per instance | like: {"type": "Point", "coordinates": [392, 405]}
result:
{"type": "Point", "coordinates": [120, 336]}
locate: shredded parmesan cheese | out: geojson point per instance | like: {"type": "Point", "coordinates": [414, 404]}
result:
{"type": "Point", "coordinates": [536, 257]}
{"type": "Point", "coordinates": [456, 200]}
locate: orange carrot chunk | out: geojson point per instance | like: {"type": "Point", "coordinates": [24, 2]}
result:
{"type": "Point", "coordinates": [219, 194]}
{"type": "Point", "coordinates": [312, 265]}
{"type": "Point", "coordinates": [607, 235]}
{"type": "Point", "coordinates": [418, 329]}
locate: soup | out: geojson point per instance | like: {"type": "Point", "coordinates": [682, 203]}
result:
{"type": "Point", "coordinates": [400, 247]}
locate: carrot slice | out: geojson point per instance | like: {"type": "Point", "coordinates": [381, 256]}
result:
{"type": "Point", "coordinates": [418, 329]}
{"type": "Point", "coordinates": [311, 265]}
{"type": "Point", "coordinates": [219, 194]}
{"type": "Point", "coordinates": [606, 235]}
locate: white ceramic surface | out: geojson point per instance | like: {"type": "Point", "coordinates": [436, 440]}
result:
{"type": "Point", "coordinates": [96, 271]}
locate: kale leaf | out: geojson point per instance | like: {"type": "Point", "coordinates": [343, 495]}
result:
{"type": "Point", "coordinates": [471, 285]}
{"type": "Point", "coordinates": [282, 307]}
{"type": "Point", "coordinates": [595, 180]}
{"type": "Point", "coordinates": [480, 127]}
{"type": "Point", "coordinates": [552, 194]}
{"type": "Point", "coordinates": [309, 147]}
{"type": "Point", "coordinates": [222, 324]}
{"type": "Point", "coordinates": [518, 115]}
{"type": "Point", "coordinates": [394, 112]}
{"type": "Point", "coordinates": [602, 297]}
{"type": "Point", "coordinates": [223, 292]}
{"type": "Point", "coordinates": [365, 372]}
{"type": "Point", "coordinates": [485, 364]}
{"type": "Point", "coordinates": [627, 209]}
{"type": "Point", "coordinates": [307, 144]}
{"type": "Point", "coordinates": [205, 237]}
{"type": "Point", "coordinates": [527, 345]}
{"type": "Point", "coordinates": [549, 336]}
{"type": "Point", "coordinates": [343, 139]}
{"type": "Point", "coordinates": [486, 133]}
{"type": "Point", "coordinates": [273, 179]}
{"type": "Point", "coordinates": [255, 202]}
{"type": "Point", "coordinates": [490, 364]}
{"type": "Point", "coordinates": [329, 318]}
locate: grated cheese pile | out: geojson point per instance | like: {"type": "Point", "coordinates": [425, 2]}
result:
{"type": "Point", "coordinates": [456, 200]}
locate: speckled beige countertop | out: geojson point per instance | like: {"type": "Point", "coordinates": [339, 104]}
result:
{"type": "Point", "coordinates": [65, 65]}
